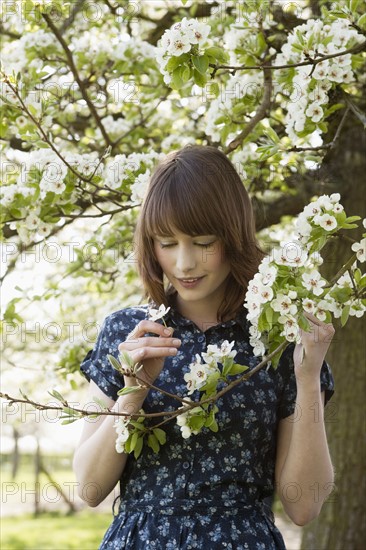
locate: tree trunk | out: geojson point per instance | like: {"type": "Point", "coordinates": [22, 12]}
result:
{"type": "Point", "coordinates": [15, 455]}
{"type": "Point", "coordinates": [341, 524]}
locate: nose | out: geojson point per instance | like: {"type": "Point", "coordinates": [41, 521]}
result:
{"type": "Point", "coordinates": [185, 260]}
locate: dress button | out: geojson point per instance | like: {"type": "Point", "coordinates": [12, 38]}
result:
{"type": "Point", "coordinates": [186, 465]}
{"type": "Point", "coordinates": [201, 338]}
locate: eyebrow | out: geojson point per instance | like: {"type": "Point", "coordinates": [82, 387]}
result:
{"type": "Point", "coordinates": [192, 236]}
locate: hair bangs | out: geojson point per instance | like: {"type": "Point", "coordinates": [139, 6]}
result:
{"type": "Point", "coordinates": [179, 205]}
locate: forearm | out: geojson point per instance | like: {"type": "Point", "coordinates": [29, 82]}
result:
{"type": "Point", "coordinates": [97, 465]}
{"type": "Point", "coordinates": [307, 475]}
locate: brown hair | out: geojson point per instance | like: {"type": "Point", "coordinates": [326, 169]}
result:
{"type": "Point", "coordinates": [198, 191]}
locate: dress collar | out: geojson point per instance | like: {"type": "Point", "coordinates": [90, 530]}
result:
{"type": "Point", "coordinates": [178, 320]}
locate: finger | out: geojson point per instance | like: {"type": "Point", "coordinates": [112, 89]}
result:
{"type": "Point", "coordinates": [149, 326]}
{"type": "Point", "coordinates": [313, 319]}
{"type": "Point", "coordinates": [149, 341]}
{"type": "Point", "coordinates": [152, 353]}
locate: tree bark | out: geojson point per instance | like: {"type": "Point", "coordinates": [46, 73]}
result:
{"type": "Point", "coordinates": [341, 524]}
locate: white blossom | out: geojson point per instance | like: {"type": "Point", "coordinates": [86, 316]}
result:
{"type": "Point", "coordinates": [313, 281]}
{"type": "Point", "coordinates": [198, 374]}
{"type": "Point", "coordinates": [360, 249]}
{"type": "Point", "coordinates": [139, 187]}
{"type": "Point", "coordinates": [284, 305]}
{"type": "Point", "coordinates": [308, 305]}
{"type": "Point", "coordinates": [326, 222]}
{"type": "Point", "coordinates": [155, 314]}
{"type": "Point", "coordinates": [121, 426]}
{"type": "Point", "coordinates": [315, 112]}
{"type": "Point", "coordinates": [268, 272]}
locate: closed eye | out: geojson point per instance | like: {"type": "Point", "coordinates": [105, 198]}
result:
{"type": "Point", "coordinates": [205, 245]}
{"type": "Point", "coordinates": [166, 245]}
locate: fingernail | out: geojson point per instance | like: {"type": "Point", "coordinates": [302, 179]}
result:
{"type": "Point", "coordinates": [167, 331]}
{"type": "Point", "coordinates": [176, 342]}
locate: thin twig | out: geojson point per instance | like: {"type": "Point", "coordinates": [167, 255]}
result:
{"type": "Point", "coordinates": [74, 71]}
{"type": "Point", "coordinates": [311, 61]}
{"type": "Point", "coordinates": [170, 414]}
{"type": "Point", "coordinates": [342, 271]}
{"type": "Point", "coordinates": [329, 145]}
{"type": "Point", "coordinates": [259, 115]}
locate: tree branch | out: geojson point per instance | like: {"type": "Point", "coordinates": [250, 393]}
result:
{"type": "Point", "coordinates": [74, 71]}
{"type": "Point", "coordinates": [310, 61]}
{"type": "Point", "coordinates": [171, 414]}
{"type": "Point", "coordinates": [259, 115]}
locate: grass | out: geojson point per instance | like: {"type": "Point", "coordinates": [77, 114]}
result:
{"type": "Point", "coordinates": [51, 531]}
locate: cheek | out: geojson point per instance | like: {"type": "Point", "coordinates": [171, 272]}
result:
{"type": "Point", "coordinates": [218, 261]}
{"type": "Point", "coordinates": [161, 256]}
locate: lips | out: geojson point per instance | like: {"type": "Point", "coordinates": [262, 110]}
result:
{"type": "Point", "coordinates": [190, 282]}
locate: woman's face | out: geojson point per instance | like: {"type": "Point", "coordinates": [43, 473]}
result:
{"type": "Point", "coordinates": [195, 266]}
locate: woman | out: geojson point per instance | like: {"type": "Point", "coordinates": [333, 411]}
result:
{"type": "Point", "coordinates": [196, 252]}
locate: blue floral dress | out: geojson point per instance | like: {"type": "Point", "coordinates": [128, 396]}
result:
{"type": "Point", "coordinates": [206, 491]}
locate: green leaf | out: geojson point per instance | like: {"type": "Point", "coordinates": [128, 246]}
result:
{"type": "Point", "coordinates": [201, 63]}
{"type": "Point", "coordinates": [134, 438]}
{"type": "Point", "coordinates": [186, 74]}
{"type": "Point", "coordinates": [125, 358]}
{"type": "Point", "coordinates": [153, 443]}
{"type": "Point", "coordinates": [57, 396]}
{"type": "Point", "coordinates": [175, 62]}
{"type": "Point", "coordinates": [238, 369]}
{"type": "Point", "coordinates": [70, 412]}
{"type": "Point", "coordinates": [138, 425]}
{"type": "Point", "coordinates": [100, 402]}
{"type": "Point", "coordinates": [269, 315]}
{"type": "Point", "coordinates": [196, 422]}
{"type": "Point", "coordinates": [357, 275]}
{"type": "Point", "coordinates": [199, 78]}
{"type": "Point", "coordinates": [69, 420]}
{"type": "Point", "coordinates": [362, 21]}
{"type": "Point", "coordinates": [304, 323]}
{"type": "Point", "coordinates": [73, 384]}
{"type": "Point", "coordinates": [341, 295]}
{"type": "Point", "coordinates": [345, 315]}
{"type": "Point", "coordinates": [272, 134]}
{"type": "Point", "coordinates": [352, 219]}
{"type": "Point", "coordinates": [127, 445]}
{"type": "Point", "coordinates": [213, 426]}
{"type": "Point", "coordinates": [138, 447]}
{"type": "Point", "coordinates": [160, 435]}
{"type": "Point", "coordinates": [115, 364]}
{"type": "Point", "coordinates": [177, 81]}
{"type": "Point", "coordinates": [129, 389]}
{"type": "Point", "coordinates": [217, 53]}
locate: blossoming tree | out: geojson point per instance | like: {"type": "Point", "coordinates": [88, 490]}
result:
{"type": "Point", "coordinates": [89, 91]}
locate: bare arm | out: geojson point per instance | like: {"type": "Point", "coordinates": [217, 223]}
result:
{"type": "Point", "coordinates": [304, 472]}
{"type": "Point", "coordinates": [97, 465]}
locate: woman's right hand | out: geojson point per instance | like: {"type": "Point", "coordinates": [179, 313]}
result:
{"type": "Point", "coordinates": [150, 351]}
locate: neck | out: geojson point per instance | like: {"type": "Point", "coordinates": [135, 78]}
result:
{"type": "Point", "coordinates": [202, 316]}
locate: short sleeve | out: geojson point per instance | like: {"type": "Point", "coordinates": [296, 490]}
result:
{"type": "Point", "coordinates": [96, 365]}
{"type": "Point", "coordinates": [288, 379]}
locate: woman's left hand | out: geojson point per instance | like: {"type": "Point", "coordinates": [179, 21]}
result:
{"type": "Point", "coordinates": [309, 354]}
